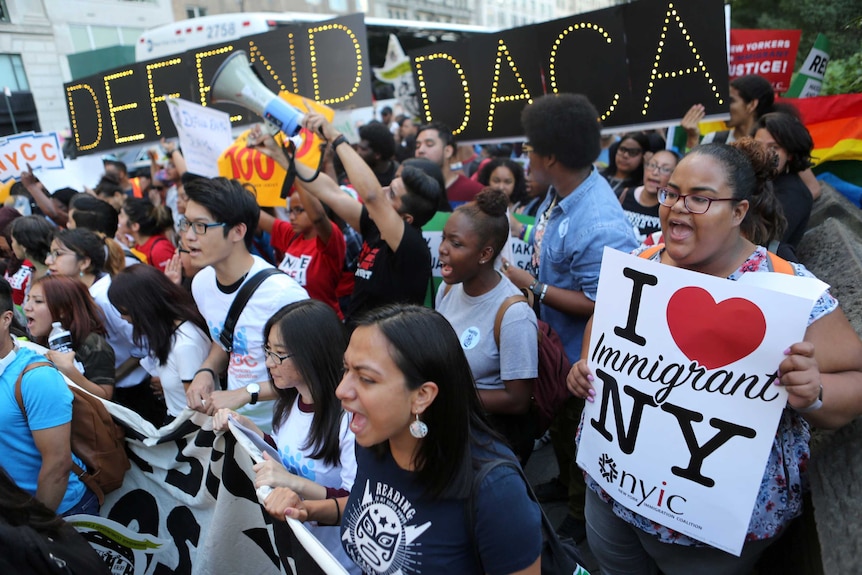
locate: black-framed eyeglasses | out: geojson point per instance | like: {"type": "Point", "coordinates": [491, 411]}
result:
{"type": "Point", "coordinates": [276, 358]}
{"type": "Point", "coordinates": [200, 228]}
{"type": "Point", "coordinates": [693, 203]}
{"type": "Point", "coordinates": [630, 152]}
{"type": "Point", "coordinates": [296, 210]}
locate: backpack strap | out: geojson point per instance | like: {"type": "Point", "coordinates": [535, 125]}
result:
{"type": "Point", "coordinates": [507, 303]}
{"type": "Point", "coordinates": [245, 293]}
{"type": "Point", "coordinates": [780, 265]}
{"type": "Point", "coordinates": [721, 137]}
{"type": "Point", "coordinates": [651, 251]}
{"type": "Point", "coordinates": [19, 396]}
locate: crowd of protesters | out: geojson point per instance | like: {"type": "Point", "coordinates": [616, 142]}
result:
{"type": "Point", "coordinates": [336, 363]}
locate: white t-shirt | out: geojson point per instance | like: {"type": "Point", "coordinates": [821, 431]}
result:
{"type": "Point", "coordinates": [119, 333]}
{"type": "Point", "coordinates": [247, 361]}
{"type": "Point", "coordinates": [290, 439]}
{"type": "Point", "coordinates": [473, 321]}
{"type": "Point", "coordinates": [189, 350]}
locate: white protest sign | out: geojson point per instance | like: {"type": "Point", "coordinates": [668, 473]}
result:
{"type": "Point", "coordinates": [686, 408]}
{"type": "Point", "coordinates": [29, 148]}
{"type": "Point", "coordinates": [204, 134]}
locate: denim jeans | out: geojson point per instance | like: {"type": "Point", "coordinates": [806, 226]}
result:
{"type": "Point", "coordinates": [88, 505]}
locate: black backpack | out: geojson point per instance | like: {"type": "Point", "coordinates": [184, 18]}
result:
{"type": "Point", "coordinates": [25, 550]}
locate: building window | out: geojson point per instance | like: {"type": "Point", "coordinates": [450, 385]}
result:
{"type": "Point", "coordinates": [12, 73]}
{"type": "Point", "coordinates": [195, 11]}
{"type": "Point", "coordinates": [4, 13]}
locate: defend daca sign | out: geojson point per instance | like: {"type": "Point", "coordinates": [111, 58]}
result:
{"type": "Point", "coordinates": [642, 63]}
{"type": "Point", "coordinates": [686, 408]}
{"type": "Point", "coordinates": [326, 61]}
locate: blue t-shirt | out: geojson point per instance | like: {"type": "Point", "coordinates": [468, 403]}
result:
{"type": "Point", "coordinates": [391, 526]}
{"type": "Point", "coordinates": [48, 401]}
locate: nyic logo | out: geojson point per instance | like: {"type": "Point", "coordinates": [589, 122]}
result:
{"type": "Point", "coordinates": [635, 489]}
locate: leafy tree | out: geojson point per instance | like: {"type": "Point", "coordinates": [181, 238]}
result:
{"type": "Point", "coordinates": [843, 76]}
{"type": "Point", "coordinates": [839, 20]}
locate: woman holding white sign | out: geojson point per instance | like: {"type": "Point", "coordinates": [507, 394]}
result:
{"type": "Point", "coordinates": [712, 196]}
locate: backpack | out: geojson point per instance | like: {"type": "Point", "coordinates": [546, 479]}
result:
{"type": "Point", "coordinates": [96, 439]}
{"type": "Point", "coordinates": [549, 390]}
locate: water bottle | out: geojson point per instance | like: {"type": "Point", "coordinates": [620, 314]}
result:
{"type": "Point", "coordinates": [60, 338]}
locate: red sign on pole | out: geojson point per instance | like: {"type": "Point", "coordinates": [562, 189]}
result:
{"type": "Point", "coordinates": [768, 53]}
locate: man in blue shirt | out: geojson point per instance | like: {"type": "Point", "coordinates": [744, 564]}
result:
{"type": "Point", "coordinates": [579, 217]}
{"type": "Point", "coordinates": [35, 448]}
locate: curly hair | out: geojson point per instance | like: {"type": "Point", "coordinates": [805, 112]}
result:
{"type": "Point", "coordinates": [790, 133]}
{"type": "Point", "coordinates": [565, 126]}
{"type": "Point", "coordinates": [519, 193]}
{"type": "Point", "coordinates": [379, 139]}
{"type": "Point", "coordinates": [750, 167]}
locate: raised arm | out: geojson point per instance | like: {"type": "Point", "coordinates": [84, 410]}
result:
{"type": "Point", "coordinates": [362, 178]}
{"type": "Point", "coordinates": [323, 187]}
{"type": "Point", "coordinates": [43, 200]}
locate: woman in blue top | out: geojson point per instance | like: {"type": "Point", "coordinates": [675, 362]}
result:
{"type": "Point", "coordinates": [713, 195]}
{"type": "Point", "coordinates": [421, 437]}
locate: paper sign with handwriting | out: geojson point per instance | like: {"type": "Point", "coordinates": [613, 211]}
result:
{"type": "Point", "coordinates": [686, 408]}
{"type": "Point", "coordinates": [204, 135]}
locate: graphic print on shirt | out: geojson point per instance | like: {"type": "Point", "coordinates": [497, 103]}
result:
{"type": "Point", "coordinates": [297, 464]}
{"type": "Point", "coordinates": [296, 267]}
{"type": "Point", "coordinates": [379, 538]}
{"type": "Point", "coordinates": [366, 262]}
{"type": "Point", "coordinates": [470, 338]}
{"type": "Point", "coordinates": [239, 355]}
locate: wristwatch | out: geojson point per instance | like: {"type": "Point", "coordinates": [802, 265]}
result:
{"type": "Point", "coordinates": [253, 389]}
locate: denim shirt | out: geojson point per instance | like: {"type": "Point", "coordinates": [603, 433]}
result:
{"type": "Point", "coordinates": [578, 229]}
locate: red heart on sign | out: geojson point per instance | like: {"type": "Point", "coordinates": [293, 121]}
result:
{"type": "Point", "coordinates": [714, 334]}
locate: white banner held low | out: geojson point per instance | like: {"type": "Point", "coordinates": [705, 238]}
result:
{"type": "Point", "coordinates": [686, 408]}
{"type": "Point", "coordinates": [204, 134]}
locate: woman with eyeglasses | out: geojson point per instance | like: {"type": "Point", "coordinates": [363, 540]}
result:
{"type": "Point", "coordinates": [81, 254]}
{"type": "Point", "coordinates": [626, 166]}
{"type": "Point", "coordinates": [312, 244]}
{"type": "Point", "coordinates": [641, 203]}
{"type": "Point", "coordinates": [305, 344]}
{"type": "Point", "coordinates": [704, 206]}
{"type": "Point", "coordinates": [165, 320]}
{"type": "Point", "coordinates": [147, 224]}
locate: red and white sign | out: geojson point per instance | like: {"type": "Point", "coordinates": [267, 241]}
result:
{"type": "Point", "coordinates": [767, 53]}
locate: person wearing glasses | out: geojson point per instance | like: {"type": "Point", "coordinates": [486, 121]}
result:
{"type": "Point", "coordinates": [626, 166]}
{"type": "Point", "coordinates": [165, 319]}
{"type": "Point", "coordinates": [312, 244]}
{"type": "Point", "coordinates": [641, 203]}
{"type": "Point", "coordinates": [221, 217]}
{"type": "Point", "coordinates": [705, 206]}
{"type": "Point", "coordinates": [305, 345]}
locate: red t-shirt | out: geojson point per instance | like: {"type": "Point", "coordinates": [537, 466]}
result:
{"type": "Point", "coordinates": [462, 190]}
{"type": "Point", "coordinates": [315, 265]}
{"type": "Point", "coordinates": [156, 251]}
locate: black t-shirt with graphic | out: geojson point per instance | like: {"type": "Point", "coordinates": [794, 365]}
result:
{"type": "Point", "coordinates": [383, 276]}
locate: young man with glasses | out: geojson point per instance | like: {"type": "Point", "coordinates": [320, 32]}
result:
{"type": "Point", "coordinates": [220, 220]}
{"type": "Point", "coordinates": [579, 217]}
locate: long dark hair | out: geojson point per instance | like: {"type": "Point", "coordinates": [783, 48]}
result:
{"type": "Point", "coordinates": [71, 304]}
{"type": "Point", "coordinates": [444, 465]}
{"type": "Point", "coordinates": [34, 233]}
{"type": "Point", "coordinates": [637, 176]}
{"type": "Point", "coordinates": [19, 508]}
{"type": "Point", "coordinates": [311, 331]}
{"type": "Point", "coordinates": [152, 219]}
{"type": "Point", "coordinates": [155, 304]}
{"type": "Point", "coordinates": [790, 133]}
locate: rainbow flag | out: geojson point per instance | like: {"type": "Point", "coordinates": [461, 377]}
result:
{"type": "Point", "coordinates": [835, 124]}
